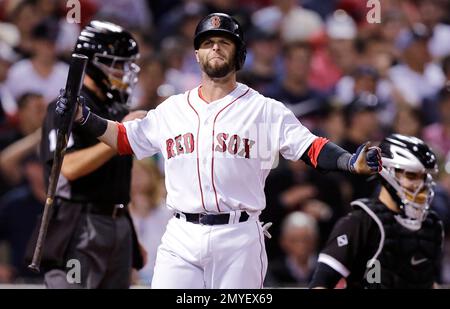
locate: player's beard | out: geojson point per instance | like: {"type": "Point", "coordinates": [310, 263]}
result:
{"type": "Point", "coordinates": [217, 71]}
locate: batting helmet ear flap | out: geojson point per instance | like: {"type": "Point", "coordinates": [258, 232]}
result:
{"type": "Point", "coordinates": [241, 54]}
{"type": "Point", "coordinates": [220, 23]}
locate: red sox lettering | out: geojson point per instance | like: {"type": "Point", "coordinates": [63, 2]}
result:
{"type": "Point", "coordinates": [186, 147]}
{"type": "Point", "coordinates": [233, 143]}
{"type": "Point", "coordinates": [236, 144]}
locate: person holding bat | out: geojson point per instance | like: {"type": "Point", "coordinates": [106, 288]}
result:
{"type": "Point", "coordinates": [90, 240]}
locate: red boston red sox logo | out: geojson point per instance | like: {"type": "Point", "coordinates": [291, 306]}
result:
{"type": "Point", "coordinates": [231, 143]}
{"type": "Point", "coordinates": [215, 21]}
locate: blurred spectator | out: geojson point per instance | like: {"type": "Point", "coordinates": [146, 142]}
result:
{"type": "Point", "coordinates": [43, 73]}
{"type": "Point", "coordinates": [338, 57]}
{"type": "Point", "coordinates": [68, 32]}
{"type": "Point", "coordinates": [362, 125]}
{"type": "Point", "coordinates": [126, 13]}
{"type": "Point", "coordinates": [13, 156]}
{"type": "Point", "coordinates": [394, 21]}
{"type": "Point", "coordinates": [20, 141]}
{"type": "Point", "coordinates": [300, 24]}
{"type": "Point", "coordinates": [363, 80]}
{"type": "Point", "coordinates": [159, 9]}
{"type": "Point", "coordinates": [174, 50]}
{"type": "Point", "coordinates": [408, 121]}
{"type": "Point", "coordinates": [437, 135]}
{"type": "Point", "coordinates": [151, 89]}
{"type": "Point", "coordinates": [289, 19]}
{"type": "Point", "coordinates": [432, 13]}
{"type": "Point", "coordinates": [323, 8]}
{"type": "Point", "coordinates": [232, 8]}
{"type": "Point", "coordinates": [23, 16]}
{"type": "Point", "coordinates": [378, 53]}
{"type": "Point", "coordinates": [299, 236]}
{"type": "Point", "coordinates": [371, 75]}
{"type": "Point", "coordinates": [172, 23]}
{"type": "Point", "coordinates": [186, 30]}
{"type": "Point", "coordinates": [149, 214]}
{"type": "Point", "coordinates": [30, 114]}
{"type": "Point", "coordinates": [416, 78]}
{"type": "Point", "coordinates": [430, 107]}
{"type": "Point", "coordinates": [8, 106]}
{"type": "Point", "coordinates": [145, 41]}
{"type": "Point", "coordinates": [9, 34]}
{"type": "Point", "coordinates": [19, 210]}
{"type": "Point", "coordinates": [261, 71]}
{"type": "Point", "coordinates": [333, 124]}
{"type": "Point", "coordinates": [294, 90]}
{"type": "Point", "coordinates": [293, 186]}
{"type": "Point", "coordinates": [361, 120]}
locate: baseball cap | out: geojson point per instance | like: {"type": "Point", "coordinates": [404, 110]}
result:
{"type": "Point", "coordinates": [258, 34]}
{"type": "Point", "coordinates": [9, 34]}
{"type": "Point", "coordinates": [361, 103]}
{"type": "Point", "coordinates": [417, 32]}
{"type": "Point", "coordinates": [340, 25]}
{"type": "Point", "coordinates": [300, 25]}
{"type": "Point", "coordinates": [366, 70]}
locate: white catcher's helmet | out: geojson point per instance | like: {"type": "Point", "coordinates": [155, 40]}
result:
{"type": "Point", "coordinates": [402, 156]}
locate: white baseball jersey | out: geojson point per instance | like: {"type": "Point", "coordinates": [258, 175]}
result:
{"type": "Point", "coordinates": [218, 154]}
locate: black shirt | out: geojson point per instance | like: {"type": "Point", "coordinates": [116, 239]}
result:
{"type": "Point", "coordinates": [407, 258]}
{"type": "Point", "coordinates": [110, 183]}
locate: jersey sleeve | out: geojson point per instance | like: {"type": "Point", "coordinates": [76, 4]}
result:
{"type": "Point", "coordinates": [143, 135]}
{"type": "Point", "coordinates": [345, 244]}
{"type": "Point", "coordinates": [293, 138]}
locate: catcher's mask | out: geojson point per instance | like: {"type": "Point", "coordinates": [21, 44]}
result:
{"type": "Point", "coordinates": [407, 174]}
{"type": "Point", "coordinates": [112, 53]}
{"type": "Point", "coordinates": [223, 24]}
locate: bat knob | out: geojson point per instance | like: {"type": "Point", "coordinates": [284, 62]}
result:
{"type": "Point", "coordinates": [34, 267]}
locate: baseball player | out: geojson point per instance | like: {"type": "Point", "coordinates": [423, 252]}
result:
{"type": "Point", "coordinates": [90, 230]}
{"type": "Point", "coordinates": [219, 142]}
{"type": "Point", "coordinates": [393, 240]}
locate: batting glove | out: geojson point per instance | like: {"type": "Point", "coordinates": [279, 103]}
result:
{"type": "Point", "coordinates": [62, 106]}
{"type": "Point", "coordinates": [62, 103]}
{"type": "Point", "coordinates": [366, 160]}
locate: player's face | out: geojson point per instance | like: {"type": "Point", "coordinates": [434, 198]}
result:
{"type": "Point", "coordinates": [216, 55]}
{"type": "Point", "coordinates": [414, 185]}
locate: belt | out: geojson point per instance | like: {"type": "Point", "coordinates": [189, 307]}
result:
{"type": "Point", "coordinates": [213, 219]}
{"type": "Point", "coordinates": [109, 210]}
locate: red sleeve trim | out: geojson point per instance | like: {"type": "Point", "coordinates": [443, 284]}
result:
{"type": "Point", "coordinates": [315, 148]}
{"type": "Point", "coordinates": [123, 144]}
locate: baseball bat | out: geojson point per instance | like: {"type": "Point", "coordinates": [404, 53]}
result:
{"type": "Point", "coordinates": [72, 91]}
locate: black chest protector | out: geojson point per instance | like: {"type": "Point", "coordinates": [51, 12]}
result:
{"type": "Point", "coordinates": [405, 258]}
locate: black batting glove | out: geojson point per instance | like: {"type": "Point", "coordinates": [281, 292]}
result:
{"type": "Point", "coordinates": [366, 160]}
{"type": "Point", "coordinates": [62, 107]}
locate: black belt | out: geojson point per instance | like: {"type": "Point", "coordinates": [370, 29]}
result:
{"type": "Point", "coordinates": [211, 219]}
{"type": "Point", "coordinates": [109, 210]}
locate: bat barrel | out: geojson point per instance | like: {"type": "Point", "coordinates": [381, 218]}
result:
{"type": "Point", "coordinates": [73, 88]}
